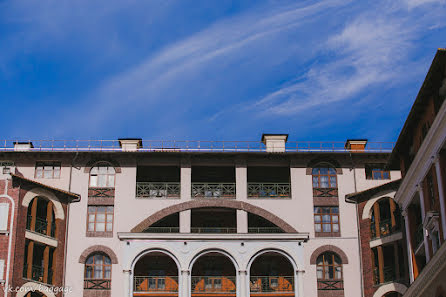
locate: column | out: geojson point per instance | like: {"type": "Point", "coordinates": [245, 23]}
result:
{"type": "Point", "coordinates": [46, 258]}
{"type": "Point", "coordinates": [49, 218]}
{"type": "Point", "coordinates": [397, 260]}
{"type": "Point", "coordinates": [299, 283]}
{"type": "Point", "coordinates": [441, 195]}
{"type": "Point", "coordinates": [380, 264]}
{"type": "Point", "coordinates": [33, 214]}
{"type": "Point", "coordinates": [184, 292]}
{"type": "Point", "coordinates": [409, 244]}
{"type": "Point", "coordinates": [423, 214]}
{"type": "Point", "coordinates": [242, 284]}
{"type": "Point", "coordinates": [241, 180]}
{"type": "Point", "coordinates": [377, 219]}
{"type": "Point", "coordinates": [29, 260]}
{"type": "Point", "coordinates": [185, 179]}
{"type": "Point", "coordinates": [127, 283]}
{"type": "Point", "coordinates": [185, 221]}
{"type": "Point", "coordinates": [242, 221]}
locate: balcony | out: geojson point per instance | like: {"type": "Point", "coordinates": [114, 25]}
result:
{"type": "Point", "coordinates": [264, 230]}
{"type": "Point", "coordinates": [385, 229]}
{"type": "Point", "coordinates": [41, 226]}
{"type": "Point", "coordinates": [389, 275]}
{"type": "Point", "coordinates": [326, 285]}
{"type": "Point", "coordinates": [419, 236]}
{"type": "Point", "coordinates": [271, 284]}
{"type": "Point", "coordinates": [97, 284]}
{"type": "Point", "coordinates": [213, 284]}
{"type": "Point", "coordinates": [155, 284]}
{"type": "Point", "coordinates": [269, 190]}
{"type": "Point", "coordinates": [162, 230]}
{"type": "Point", "coordinates": [213, 230]}
{"type": "Point", "coordinates": [37, 274]}
{"type": "Point", "coordinates": [213, 190]}
{"type": "Point", "coordinates": [158, 190]}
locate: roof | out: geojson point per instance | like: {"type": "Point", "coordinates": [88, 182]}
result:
{"type": "Point", "coordinates": [355, 197]}
{"type": "Point", "coordinates": [438, 63]}
{"type": "Point", "coordinates": [67, 193]}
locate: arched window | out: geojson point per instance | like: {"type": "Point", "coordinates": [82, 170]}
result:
{"type": "Point", "coordinates": [329, 271]}
{"type": "Point", "coordinates": [40, 217]}
{"type": "Point", "coordinates": [97, 272]}
{"type": "Point", "coordinates": [324, 177]}
{"type": "Point", "coordinates": [102, 176]}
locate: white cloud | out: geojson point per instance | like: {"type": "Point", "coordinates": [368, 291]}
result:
{"type": "Point", "coordinates": [415, 3]}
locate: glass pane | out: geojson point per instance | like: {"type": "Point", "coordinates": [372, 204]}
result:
{"type": "Point", "coordinates": [109, 227]}
{"type": "Point", "coordinates": [333, 182]}
{"type": "Point", "coordinates": [324, 181]}
{"type": "Point", "coordinates": [320, 260]}
{"type": "Point", "coordinates": [331, 272]}
{"type": "Point", "coordinates": [326, 228]}
{"type": "Point", "coordinates": [332, 171]}
{"type": "Point", "coordinates": [319, 272]}
{"type": "Point", "coordinates": [386, 174]}
{"type": "Point", "coordinates": [103, 169]}
{"type": "Point", "coordinates": [91, 218]}
{"type": "Point", "coordinates": [101, 209]}
{"type": "Point", "coordinates": [335, 210]}
{"type": "Point", "coordinates": [323, 170]}
{"type": "Point", "coordinates": [315, 171]}
{"type": "Point", "coordinates": [376, 174]}
{"type": "Point", "coordinates": [111, 170]}
{"type": "Point", "coordinates": [326, 218]}
{"type": "Point", "coordinates": [89, 260]}
{"type": "Point", "coordinates": [107, 260]}
{"type": "Point", "coordinates": [328, 258]}
{"type": "Point", "coordinates": [39, 172]}
{"type": "Point", "coordinates": [337, 260]}
{"type": "Point", "coordinates": [317, 219]}
{"type": "Point", "coordinates": [90, 226]}
{"type": "Point", "coordinates": [100, 217]}
{"type": "Point", "coordinates": [100, 226]}
{"type": "Point", "coordinates": [94, 170]}
{"type": "Point", "coordinates": [98, 259]}
{"type": "Point", "coordinates": [88, 272]}
{"type": "Point", "coordinates": [315, 181]}
{"type": "Point", "coordinates": [317, 210]}
{"type": "Point", "coordinates": [335, 219]}
{"type": "Point", "coordinates": [317, 228]}
{"type": "Point", "coordinates": [48, 172]}
{"type": "Point", "coordinates": [98, 272]}
{"type": "Point", "coordinates": [57, 172]}
{"type": "Point", "coordinates": [107, 272]}
{"type": "Point", "coordinates": [110, 209]}
{"type": "Point", "coordinates": [109, 218]}
{"type": "Point", "coordinates": [102, 180]}
{"type": "Point", "coordinates": [335, 227]}
{"type": "Point", "coordinates": [111, 181]}
{"type": "Point", "coordinates": [93, 181]}
{"type": "Point", "coordinates": [338, 272]}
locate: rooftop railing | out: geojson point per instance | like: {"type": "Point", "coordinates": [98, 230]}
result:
{"type": "Point", "coordinates": [186, 146]}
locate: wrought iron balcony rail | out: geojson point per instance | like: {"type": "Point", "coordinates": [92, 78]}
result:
{"type": "Point", "coordinates": [419, 235]}
{"type": "Point", "coordinates": [157, 190]}
{"type": "Point", "coordinates": [213, 284]}
{"type": "Point", "coordinates": [385, 228]}
{"type": "Point", "coordinates": [271, 284]}
{"type": "Point", "coordinates": [213, 230]}
{"type": "Point", "coordinates": [213, 190]}
{"type": "Point", "coordinates": [269, 190]}
{"type": "Point", "coordinates": [38, 273]}
{"type": "Point", "coordinates": [330, 284]}
{"type": "Point", "coordinates": [156, 284]}
{"type": "Point", "coordinates": [265, 230]}
{"type": "Point", "coordinates": [189, 146]}
{"type": "Point", "coordinates": [389, 275]}
{"type": "Point", "coordinates": [41, 226]}
{"type": "Point", "coordinates": [97, 284]}
{"type": "Point", "coordinates": [162, 230]}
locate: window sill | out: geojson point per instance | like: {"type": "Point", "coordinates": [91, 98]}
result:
{"type": "Point", "coordinates": [99, 234]}
{"type": "Point", "coordinates": [5, 232]}
{"type": "Point", "coordinates": [327, 234]}
{"type": "Point", "coordinates": [325, 201]}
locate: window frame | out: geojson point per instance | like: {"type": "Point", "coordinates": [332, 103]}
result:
{"type": "Point", "coordinates": [48, 163]}
{"type": "Point", "coordinates": [329, 175]}
{"type": "Point", "coordinates": [106, 266]}
{"type": "Point", "coordinates": [95, 221]}
{"type": "Point", "coordinates": [321, 223]}
{"type": "Point", "coordinates": [107, 174]}
{"type": "Point", "coordinates": [334, 265]}
{"type": "Point", "coordinates": [371, 169]}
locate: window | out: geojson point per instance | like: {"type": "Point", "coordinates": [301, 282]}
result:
{"type": "Point", "coordinates": [47, 170]}
{"type": "Point", "coordinates": [326, 219]}
{"type": "Point", "coordinates": [4, 213]}
{"type": "Point", "coordinates": [100, 218]}
{"type": "Point", "coordinates": [324, 177]}
{"type": "Point", "coordinates": [376, 172]}
{"type": "Point", "coordinates": [329, 267]}
{"type": "Point", "coordinates": [102, 176]}
{"type": "Point", "coordinates": [2, 268]}
{"type": "Point", "coordinates": [97, 272]}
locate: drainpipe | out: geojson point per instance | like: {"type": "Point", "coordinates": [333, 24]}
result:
{"type": "Point", "coordinates": [11, 225]}
{"type": "Point", "coordinates": [357, 223]}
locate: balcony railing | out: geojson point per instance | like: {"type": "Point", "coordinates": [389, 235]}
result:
{"type": "Point", "coordinates": [213, 190]}
{"type": "Point", "coordinates": [95, 192]}
{"type": "Point", "coordinates": [156, 284]}
{"type": "Point", "coordinates": [157, 190]}
{"type": "Point", "coordinates": [269, 190]}
{"type": "Point", "coordinates": [213, 230]}
{"type": "Point", "coordinates": [213, 284]}
{"type": "Point", "coordinates": [37, 274]}
{"type": "Point", "coordinates": [389, 275]}
{"type": "Point", "coordinates": [97, 284]}
{"type": "Point", "coordinates": [271, 284]}
{"type": "Point", "coordinates": [330, 284]}
{"type": "Point", "coordinates": [41, 226]}
{"type": "Point", "coordinates": [419, 235]}
{"type": "Point", "coordinates": [265, 230]}
{"type": "Point", "coordinates": [162, 230]}
{"type": "Point", "coordinates": [385, 228]}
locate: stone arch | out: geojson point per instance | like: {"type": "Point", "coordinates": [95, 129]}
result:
{"type": "Point", "coordinates": [274, 250]}
{"type": "Point", "coordinates": [101, 249]}
{"type": "Point", "coordinates": [328, 248]}
{"type": "Point", "coordinates": [31, 286]}
{"type": "Point", "coordinates": [218, 251]}
{"type": "Point", "coordinates": [90, 164]}
{"type": "Point", "coordinates": [315, 162]}
{"type": "Point", "coordinates": [163, 251]}
{"type": "Point", "coordinates": [367, 210]}
{"type": "Point", "coordinates": [388, 288]}
{"type": "Point", "coordinates": [287, 228]}
{"type": "Point", "coordinates": [39, 192]}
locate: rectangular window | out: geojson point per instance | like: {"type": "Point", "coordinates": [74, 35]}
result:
{"type": "Point", "coordinates": [100, 218]}
{"type": "Point", "coordinates": [47, 170]}
{"type": "Point", "coordinates": [376, 172]}
{"type": "Point", "coordinates": [326, 219]}
{"type": "Point", "coordinates": [4, 213]}
{"type": "Point", "coordinates": [2, 269]}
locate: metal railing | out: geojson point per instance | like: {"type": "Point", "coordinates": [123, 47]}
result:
{"type": "Point", "coordinates": [213, 190]}
{"type": "Point", "coordinates": [269, 190]}
{"type": "Point", "coordinates": [265, 230]}
{"type": "Point", "coordinates": [213, 230]}
{"type": "Point", "coordinates": [389, 275]}
{"type": "Point", "coordinates": [213, 284]}
{"type": "Point", "coordinates": [162, 230]}
{"type": "Point", "coordinates": [37, 274]}
{"type": "Point", "coordinates": [41, 226]}
{"type": "Point", "coordinates": [97, 284]}
{"type": "Point", "coordinates": [271, 284]}
{"type": "Point", "coordinates": [330, 284]}
{"type": "Point", "coordinates": [419, 236]}
{"type": "Point", "coordinates": [155, 284]}
{"type": "Point", "coordinates": [189, 146]}
{"type": "Point", "coordinates": [157, 190]}
{"type": "Point", "coordinates": [385, 228]}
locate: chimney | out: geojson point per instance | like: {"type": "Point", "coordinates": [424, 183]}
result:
{"type": "Point", "coordinates": [23, 146]}
{"type": "Point", "coordinates": [356, 145]}
{"type": "Point", "coordinates": [130, 144]}
{"type": "Point", "coordinates": [275, 143]}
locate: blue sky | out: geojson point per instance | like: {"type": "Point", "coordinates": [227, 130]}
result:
{"type": "Point", "coordinates": [214, 69]}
